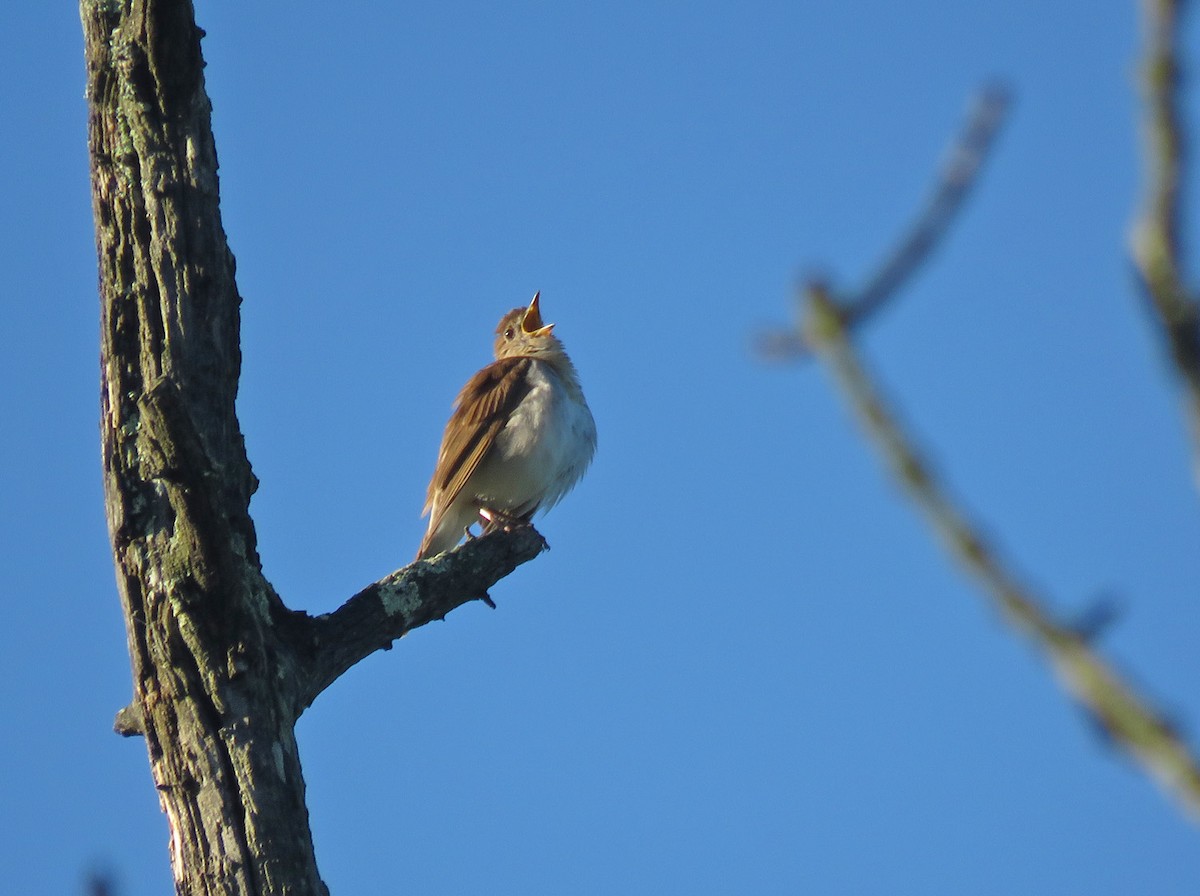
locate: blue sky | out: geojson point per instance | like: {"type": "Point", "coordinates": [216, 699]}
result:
{"type": "Point", "coordinates": [745, 667]}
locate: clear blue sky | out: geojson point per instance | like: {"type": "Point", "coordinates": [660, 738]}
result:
{"type": "Point", "coordinates": [744, 667]}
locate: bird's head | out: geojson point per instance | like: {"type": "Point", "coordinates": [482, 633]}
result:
{"type": "Point", "coordinates": [521, 333]}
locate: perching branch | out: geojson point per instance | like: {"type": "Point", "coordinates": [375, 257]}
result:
{"type": "Point", "coordinates": [327, 646]}
{"type": "Point", "coordinates": [1125, 715]}
{"type": "Point", "coordinates": [410, 597]}
{"type": "Point", "coordinates": [1156, 239]}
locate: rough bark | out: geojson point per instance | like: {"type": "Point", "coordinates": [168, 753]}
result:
{"type": "Point", "coordinates": [221, 668]}
{"type": "Point", "coordinates": [200, 616]}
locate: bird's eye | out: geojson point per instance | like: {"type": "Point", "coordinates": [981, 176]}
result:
{"type": "Point", "coordinates": [508, 334]}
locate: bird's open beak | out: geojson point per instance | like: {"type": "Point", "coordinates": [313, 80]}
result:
{"type": "Point", "coordinates": [531, 323]}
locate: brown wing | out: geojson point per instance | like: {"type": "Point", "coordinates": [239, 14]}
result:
{"type": "Point", "coordinates": [480, 412]}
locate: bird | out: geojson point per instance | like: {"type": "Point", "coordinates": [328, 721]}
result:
{"type": "Point", "coordinates": [520, 436]}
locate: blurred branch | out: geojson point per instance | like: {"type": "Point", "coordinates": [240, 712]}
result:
{"type": "Point", "coordinates": [826, 327]}
{"type": "Point", "coordinates": [958, 175]}
{"type": "Point", "coordinates": [99, 883]}
{"type": "Point", "coordinates": [960, 170]}
{"type": "Point", "coordinates": [1156, 243]}
{"type": "Point", "coordinates": [1114, 704]}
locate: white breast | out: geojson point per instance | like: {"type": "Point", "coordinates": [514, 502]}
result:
{"type": "Point", "coordinates": [545, 447]}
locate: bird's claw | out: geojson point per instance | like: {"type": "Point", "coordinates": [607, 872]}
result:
{"type": "Point", "coordinates": [498, 519]}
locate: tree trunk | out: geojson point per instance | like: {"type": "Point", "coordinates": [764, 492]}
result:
{"type": "Point", "coordinates": [221, 668]}
{"type": "Point", "coordinates": [203, 624]}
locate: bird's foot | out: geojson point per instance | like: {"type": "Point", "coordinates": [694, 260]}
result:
{"type": "Point", "coordinates": [492, 520]}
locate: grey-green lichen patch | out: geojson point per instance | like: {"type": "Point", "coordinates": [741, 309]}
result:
{"type": "Point", "coordinates": [111, 7]}
{"type": "Point", "coordinates": [399, 599]}
{"type": "Point", "coordinates": [125, 149]}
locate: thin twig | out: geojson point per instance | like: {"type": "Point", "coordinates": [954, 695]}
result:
{"type": "Point", "coordinates": [959, 174]}
{"type": "Point", "coordinates": [1155, 241]}
{"type": "Point", "coordinates": [1115, 705]}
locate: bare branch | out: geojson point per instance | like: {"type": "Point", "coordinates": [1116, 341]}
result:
{"type": "Point", "coordinates": [959, 174]}
{"type": "Point", "coordinates": [1115, 705]}
{"type": "Point", "coordinates": [1155, 239]}
{"type": "Point", "coordinates": [825, 328]}
{"type": "Point", "coordinates": [410, 597]}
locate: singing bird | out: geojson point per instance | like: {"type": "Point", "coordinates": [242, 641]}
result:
{"type": "Point", "coordinates": [519, 438]}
